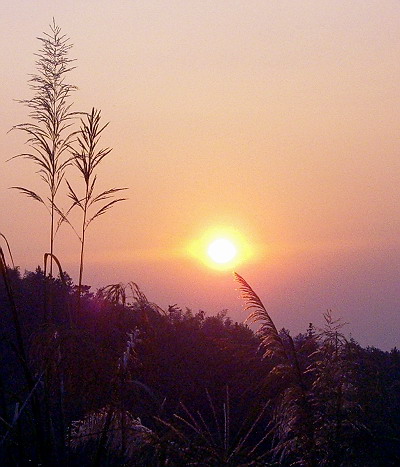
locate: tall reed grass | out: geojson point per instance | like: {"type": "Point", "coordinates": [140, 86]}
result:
{"type": "Point", "coordinates": [49, 133]}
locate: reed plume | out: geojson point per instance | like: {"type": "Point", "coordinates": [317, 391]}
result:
{"type": "Point", "coordinates": [86, 158]}
{"type": "Point", "coordinates": [49, 134]}
{"type": "Point", "coordinates": [292, 427]}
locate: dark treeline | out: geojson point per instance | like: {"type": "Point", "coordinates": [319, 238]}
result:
{"type": "Point", "coordinates": [123, 382]}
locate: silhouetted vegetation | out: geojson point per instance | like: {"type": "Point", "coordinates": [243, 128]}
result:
{"type": "Point", "coordinates": [49, 132]}
{"type": "Point", "coordinates": [110, 378]}
{"type": "Point", "coordinates": [86, 160]}
{"type": "Point", "coordinates": [131, 384]}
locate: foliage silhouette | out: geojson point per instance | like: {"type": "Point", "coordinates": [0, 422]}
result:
{"type": "Point", "coordinates": [142, 364]}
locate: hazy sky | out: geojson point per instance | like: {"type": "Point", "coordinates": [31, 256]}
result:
{"type": "Point", "coordinates": [279, 119]}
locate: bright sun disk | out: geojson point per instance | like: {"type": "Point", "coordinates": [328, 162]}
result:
{"type": "Point", "coordinates": [221, 251]}
{"type": "Point", "coordinates": [220, 248]}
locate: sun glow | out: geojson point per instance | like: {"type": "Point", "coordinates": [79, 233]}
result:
{"type": "Point", "coordinates": [221, 248]}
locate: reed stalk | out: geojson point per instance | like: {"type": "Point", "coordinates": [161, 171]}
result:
{"type": "Point", "coordinates": [49, 132]}
{"type": "Point", "coordinates": [85, 158]}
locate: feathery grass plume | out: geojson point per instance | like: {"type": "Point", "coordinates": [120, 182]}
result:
{"type": "Point", "coordinates": [107, 422]}
{"type": "Point", "coordinates": [271, 341]}
{"type": "Point", "coordinates": [86, 158]}
{"type": "Point", "coordinates": [113, 427]}
{"type": "Point", "coordinates": [293, 424]}
{"type": "Point", "coordinates": [49, 133]}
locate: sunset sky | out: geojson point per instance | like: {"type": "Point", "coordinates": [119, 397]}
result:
{"type": "Point", "coordinates": [275, 120]}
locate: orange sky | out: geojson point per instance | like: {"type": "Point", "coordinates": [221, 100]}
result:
{"type": "Point", "coordinates": [276, 118]}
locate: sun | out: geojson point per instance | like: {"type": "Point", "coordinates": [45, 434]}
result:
{"type": "Point", "coordinates": [222, 250]}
